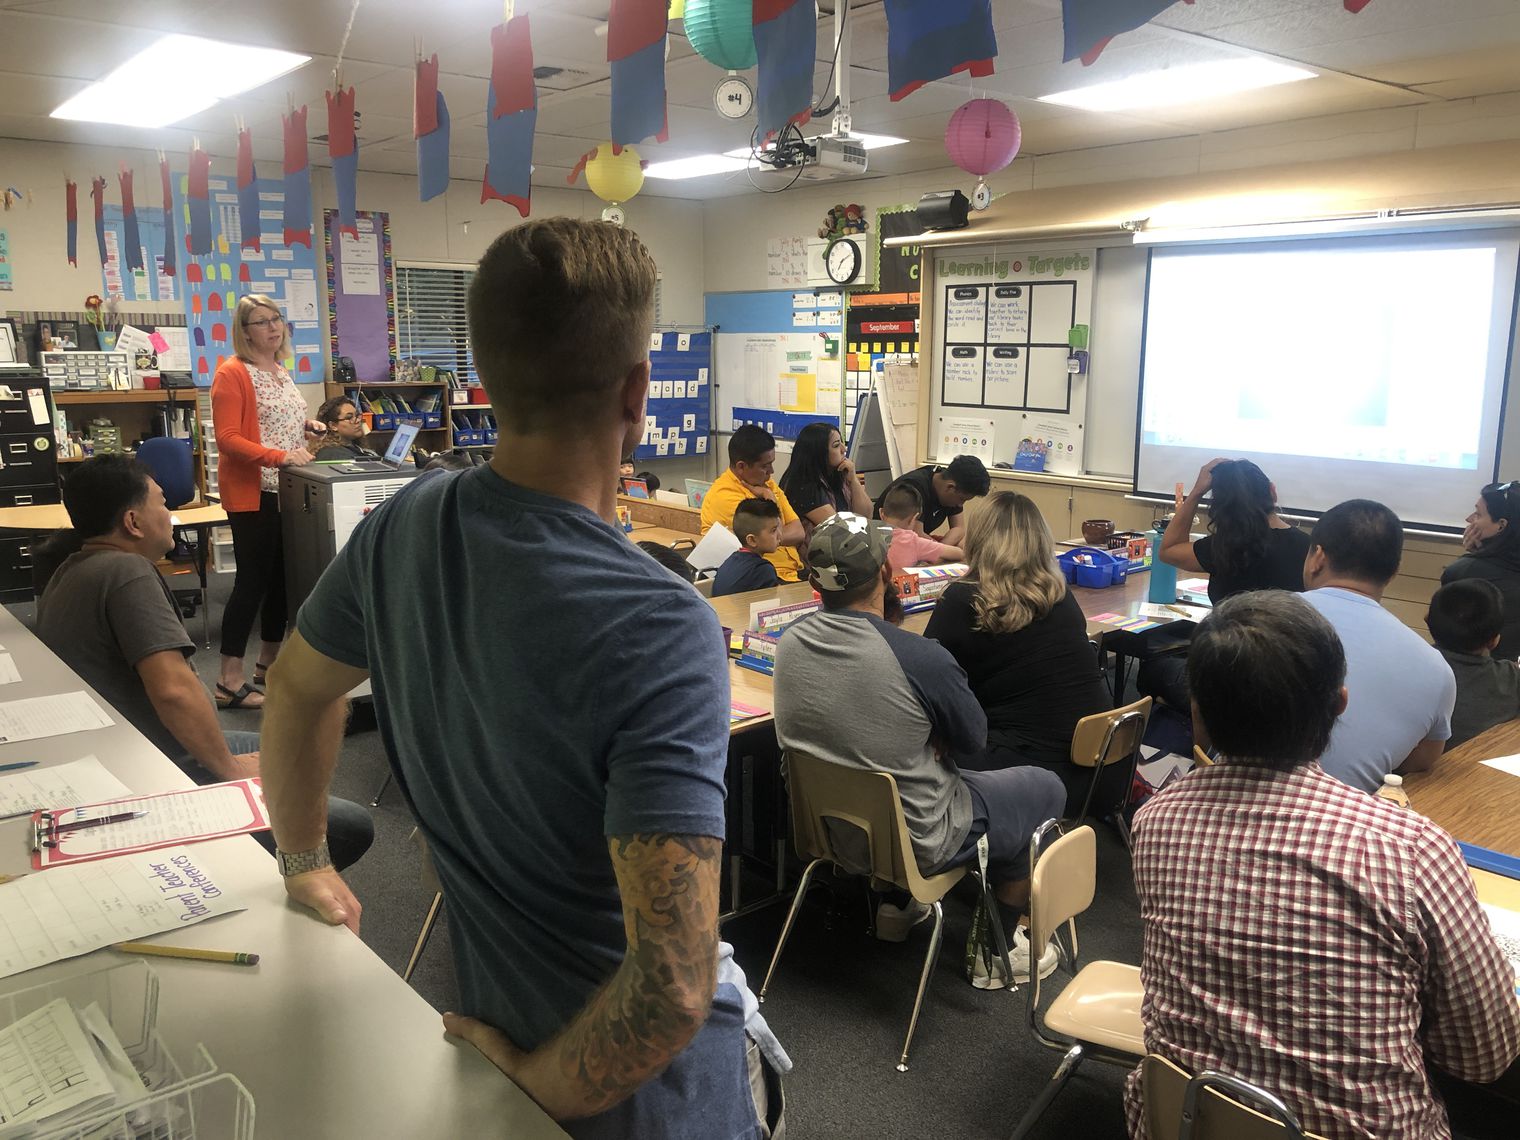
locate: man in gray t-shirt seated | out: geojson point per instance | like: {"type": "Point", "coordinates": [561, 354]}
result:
{"type": "Point", "coordinates": [107, 612]}
{"type": "Point", "coordinates": [909, 712]}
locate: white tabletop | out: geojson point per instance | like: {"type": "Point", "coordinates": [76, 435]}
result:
{"type": "Point", "coordinates": [326, 1037]}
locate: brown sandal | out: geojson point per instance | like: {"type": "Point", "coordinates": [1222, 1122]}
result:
{"type": "Point", "coordinates": [227, 699]}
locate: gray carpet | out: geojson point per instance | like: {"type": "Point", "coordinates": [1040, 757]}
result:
{"type": "Point", "coordinates": [840, 1000]}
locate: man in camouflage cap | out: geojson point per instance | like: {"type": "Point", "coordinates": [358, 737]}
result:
{"type": "Point", "coordinates": [909, 711]}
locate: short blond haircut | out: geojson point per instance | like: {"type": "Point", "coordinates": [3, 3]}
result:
{"type": "Point", "coordinates": [1012, 558]}
{"type": "Point", "coordinates": [246, 308]}
{"type": "Point", "coordinates": [560, 313]}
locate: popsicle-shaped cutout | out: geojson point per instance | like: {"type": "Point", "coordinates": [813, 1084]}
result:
{"type": "Point", "coordinates": [243, 274]}
{"type": "Point", "coordinates": [200, 333]}
{"type": "Point", "coordinates": [231, 300]}
{"type": "Point", "coordinates": [214, 303]}
{"type": "Point", "coordinates": [304, 365]}
{"type": "Point", "coordinates": [193, 273]}
{"type": "Point", "coordinates": [219, 333]}
{"type": "Point", "coordinates": [226, 272]}
{"type": "Point", "coordinates": [195, 304]}
{"type": "Point", "coordinates": [202, 366]}
{"type": "Point", "coordinates": [221, 246]}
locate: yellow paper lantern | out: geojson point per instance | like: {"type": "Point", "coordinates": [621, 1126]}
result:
{"type": "Point", "coordinates": [614, 177]}
{"type": "Point", "coordinates": [677, 9]}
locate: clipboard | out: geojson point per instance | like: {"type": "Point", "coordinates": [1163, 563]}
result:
{"type": "Point", "coordinates": [170, 819]}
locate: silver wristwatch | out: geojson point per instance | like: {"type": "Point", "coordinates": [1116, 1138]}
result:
{"type": "Point", "coordinates": [299, 862]}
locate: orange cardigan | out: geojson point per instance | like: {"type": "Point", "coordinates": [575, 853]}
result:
{"type": "Point", "coordinates": [235, 412]}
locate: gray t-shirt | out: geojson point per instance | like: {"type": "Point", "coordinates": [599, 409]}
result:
{"type": "Point", "coordinates": [907, 699]}
{"type": "Point", "coordinates": [542, 684]}
{"type": "Point", "coordinates": [104, 611]}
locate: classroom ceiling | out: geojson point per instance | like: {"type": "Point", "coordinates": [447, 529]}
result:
{"type": "Point", "coordinates": [1396, 53]}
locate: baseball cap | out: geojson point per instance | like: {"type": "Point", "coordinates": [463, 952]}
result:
{"type": "Point", "coordinates": [847, 551]}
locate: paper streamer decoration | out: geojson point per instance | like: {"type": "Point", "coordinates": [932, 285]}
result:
{"type": "Point", "coordinates": [168, 188]}
{"type": "Point", "coordinates": [71, 219]}
{"type": "Point", "coordinates": [247, 191]}
{"type": "Point", "coordinates": [786, 40]}
{"type": "Point", "coordinates": [297, 222]}
{"type": "Point", "coordinates": [1088, 25]}
{"type": "Point", "coordinates": [199, 201]}
{"type": "Point", "coordinates": [98, 192]}
{"type": "Point", "coordinates": [511, 117]}
{"type": "Point", "coordinates": [430, 127]}
{"type": "Point", "coordinates": [636, 55]}
{"type": "Point", "coordinates": [132, 239]}
{"type": "Point", "coordinates": [343, 149]}
{"type": "Point", "coordinates": [926, 42]}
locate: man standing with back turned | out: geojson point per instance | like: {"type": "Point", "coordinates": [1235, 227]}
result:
{"type": "Point", "coordinates": [565, 756]}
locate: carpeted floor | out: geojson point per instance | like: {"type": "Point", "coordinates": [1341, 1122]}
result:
{"type": "Point", "coordinates": [840, 1000]}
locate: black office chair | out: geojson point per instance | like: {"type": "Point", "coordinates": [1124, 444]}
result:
{"type": "Point", "coordinates": [173, 469]}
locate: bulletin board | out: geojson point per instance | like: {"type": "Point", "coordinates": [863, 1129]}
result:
{"type": "Point", "coordinates": [361, 295]}
{"type": "Point", "coordinates": [678, 416]}
{"type": "Point", "coordinates": [1002, 350]}
{"type": "Point", "coordinates": [213, 284]}
{"type": "Point", "coordinates": [779, 359]}
{"type": "Point", "coordinates": [148, 283]}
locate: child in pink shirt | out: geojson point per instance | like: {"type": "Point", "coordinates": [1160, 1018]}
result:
{"type": "Point", "coordinates": [900, 508]}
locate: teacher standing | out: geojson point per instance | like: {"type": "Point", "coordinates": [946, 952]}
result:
{"type": "Point", "coordinates": [261, 426]}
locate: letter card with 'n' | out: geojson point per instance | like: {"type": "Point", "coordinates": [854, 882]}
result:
{"type": "Point", "coordinates": [146, 823]}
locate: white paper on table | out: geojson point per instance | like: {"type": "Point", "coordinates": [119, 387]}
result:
{"type": "Point", "coordinates": [167, 818]}
{"type": "Point", "coordinates": [716, 545]}
{"type": "Point", "coordinates": [1506, 924]}
{"type": "Point", "coordinates": [9, 674]}
{"type": "Point", "coordinates": [1506, 764]}
{"type": "Point", "coordinates": [63, 785]}
{"type": "Point", "coordinates": [1171, 612]}
{"type": "Point", "coordinates": [56, 715]}
{"type": "Point", "coordinates": [68, 911]}
{"type": "Point", "coordinates": [50, 1067]}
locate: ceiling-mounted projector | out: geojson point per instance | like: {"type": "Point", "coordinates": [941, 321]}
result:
{"type": "Point", "coordinates": [820, 158]}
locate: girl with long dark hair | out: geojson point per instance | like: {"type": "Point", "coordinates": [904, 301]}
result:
{"type": "Point", "coordinates": [820, 479]}
{"type": "Point", "coordinates": [1492, 543]}
{"type": "Point", "coordinates": [1249, 545]}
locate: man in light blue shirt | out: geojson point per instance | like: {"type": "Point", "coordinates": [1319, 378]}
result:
{"type": "Point", "coordinates": [1400, 692]}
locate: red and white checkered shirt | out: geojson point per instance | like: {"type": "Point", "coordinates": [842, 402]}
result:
{"type": "Point", "coordinates": [1319, 942]}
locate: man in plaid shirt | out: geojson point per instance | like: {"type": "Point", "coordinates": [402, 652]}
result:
{"type": "Point", "coordinates": [1317, 941]}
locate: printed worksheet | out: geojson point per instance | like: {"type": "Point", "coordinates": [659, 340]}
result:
{"type": "Point", "coordinates": [73, 910]}
{"type": "Point", "coordinates": [48, 1067]}
{"type": "Point", "coordinates": [56, 715]}
{"type": "Point", "coordinates": [163, 820]}
{"type": "Point", "coordinates": [63, 785]}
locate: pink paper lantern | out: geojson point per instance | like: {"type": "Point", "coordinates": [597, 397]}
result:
{"type": "Point", "coordinates": [983, 136]}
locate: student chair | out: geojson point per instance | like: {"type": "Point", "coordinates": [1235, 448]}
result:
{"type": "Point", "coordinates": [1108, 738]}
{"type": "Point", "coordinates": [1201, 758]}
{"type": "Point", "coordinates": [1209, 1106]}
{"type": "Point", "coordinates": [173, 469]}
{"type": "Point", "coordinates": [854, 819]}
{"type": "Point", "coordinates": [435, 908]}
{"type": "Point", "coordinates": [1097, 1015]}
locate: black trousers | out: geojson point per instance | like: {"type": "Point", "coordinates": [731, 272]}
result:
{"type": "Point", "coordinates": [259, 585]}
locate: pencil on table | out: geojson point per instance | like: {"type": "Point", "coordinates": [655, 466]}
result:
{"type": "Point", "coordinates": [235, 957]}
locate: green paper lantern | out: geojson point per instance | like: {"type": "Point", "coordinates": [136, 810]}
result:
{"type": "Point", "coordinates": [722, 32]}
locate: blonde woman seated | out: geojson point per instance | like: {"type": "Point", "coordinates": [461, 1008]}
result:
{"type": "Point", "coordinates": [1014, 627]}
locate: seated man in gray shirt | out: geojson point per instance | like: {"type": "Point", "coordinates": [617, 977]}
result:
{"type": "Point", "coordinates": [107, 612]}
{"type": "Point", "coordinates": [910, 711]}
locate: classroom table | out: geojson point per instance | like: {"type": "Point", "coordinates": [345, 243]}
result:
{"type": "Point", "coordinates": [326, 1037]}
{"type": "Point", "coordinates": [203, 518]}
{"type": "Point", "coordinates": [1471, 801]}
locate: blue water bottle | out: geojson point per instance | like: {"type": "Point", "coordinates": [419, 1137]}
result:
{"type": "Point", "coordinates": [1163, 585]}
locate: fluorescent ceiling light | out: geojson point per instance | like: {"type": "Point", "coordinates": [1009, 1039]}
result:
{"type": "Point", "coordinates": [1189, 83]}
{"type": "Point", "coordinates": [177, 77]}
{"type": "Point", "coordinates": [697, 166]}
{"type": "Point", "coordinates": [869, 142]}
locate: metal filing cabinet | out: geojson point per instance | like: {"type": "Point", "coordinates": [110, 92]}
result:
{"type": "Point", "coordinates": [28, 470]}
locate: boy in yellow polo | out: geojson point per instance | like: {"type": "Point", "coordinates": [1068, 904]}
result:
{"type": "Point", "coordinates": [751, 459]}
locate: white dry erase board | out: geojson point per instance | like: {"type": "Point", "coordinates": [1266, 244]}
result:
{"type": "Point", "coordinates": [766, 362]}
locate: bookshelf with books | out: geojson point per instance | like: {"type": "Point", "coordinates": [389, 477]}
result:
{"type": "Point", "coordinates": [386, 406]}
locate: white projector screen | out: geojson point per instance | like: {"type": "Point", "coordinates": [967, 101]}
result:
{"type": "Point", "coordinates": [1357, 367]}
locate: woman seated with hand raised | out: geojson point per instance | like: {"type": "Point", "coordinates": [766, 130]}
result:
{"type": "Point", "coordinates": [1249, 547]}
{"type": "Point", "coordinates": [820, 479]}
{"type": "Point", "coordinates": [1492, 545]}
{"type": "Point", "coordinates": [1013, 625]}
{"type": "Point", "coordinates": [345, 428]}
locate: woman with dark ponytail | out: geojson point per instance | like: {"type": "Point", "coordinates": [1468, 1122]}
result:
{"type": "Point", "coordinates": [1249, 545]}
{"type": "Point", "coordinates": [1492, 545]}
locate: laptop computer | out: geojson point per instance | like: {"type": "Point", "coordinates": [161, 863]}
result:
{"type": "Point", "coordinates": [696, 490]}
{"type": "Point", "coordinates": [395, 455]}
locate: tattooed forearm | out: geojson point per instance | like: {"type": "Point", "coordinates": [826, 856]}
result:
{"type": "Point", "coordinates": [659, 997]}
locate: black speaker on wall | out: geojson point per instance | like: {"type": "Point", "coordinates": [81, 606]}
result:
{"type": "Point", "coordinates": [944, 210]}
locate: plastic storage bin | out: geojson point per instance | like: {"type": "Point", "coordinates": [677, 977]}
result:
{"type": "Point", "coordinates": [1094, 568]}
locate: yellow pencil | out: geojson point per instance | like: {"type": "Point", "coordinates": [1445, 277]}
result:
{"type": "Point", "coordinates": [236, 958]}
